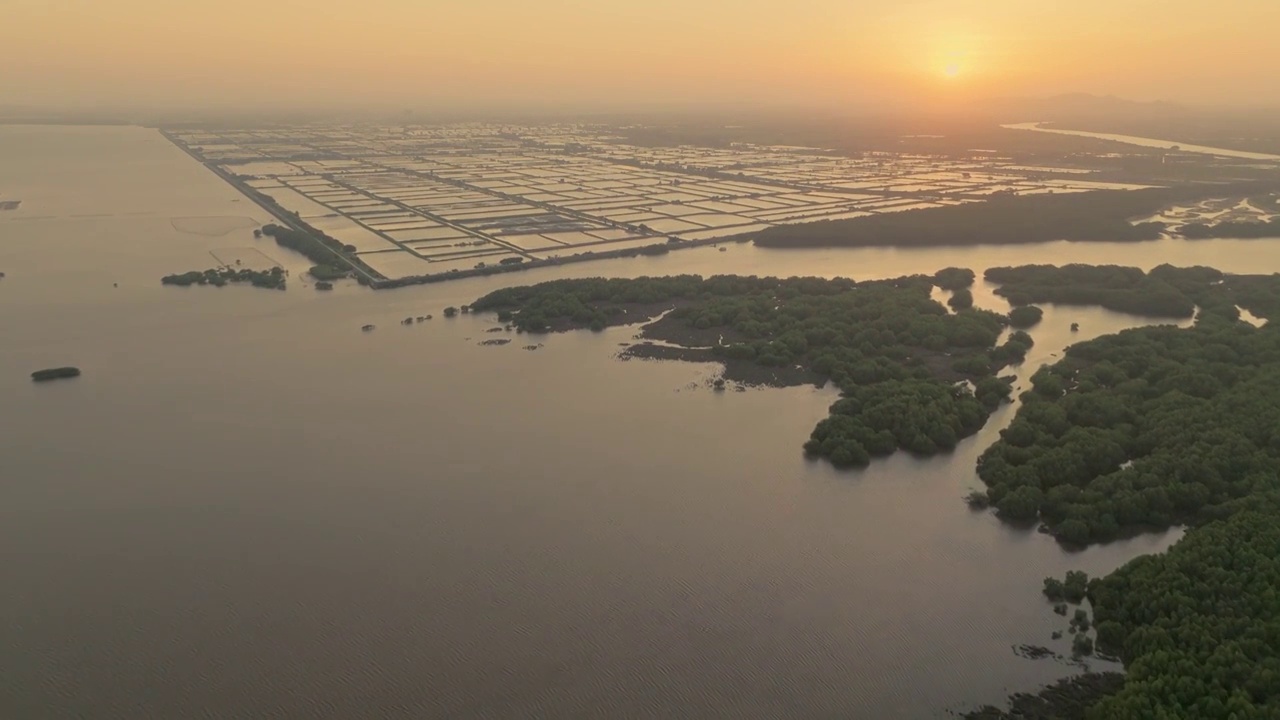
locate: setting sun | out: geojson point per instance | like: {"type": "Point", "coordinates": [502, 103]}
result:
{"type": "Point", "coordinates": [951, 69]}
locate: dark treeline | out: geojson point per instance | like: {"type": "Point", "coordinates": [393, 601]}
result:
{"type": "Point", "coordinates": [1151, 426]}
{"type": "Point", "coordinates": [896, 354]}
{"type": "Point", "coordinates": [1008, 219]}
{"type": "Point", "coordinates": [1124, 289]}
{"type": "Point", "coordinates": [1165, 291]}
{"type": "Point", "coordinates": [329, 255]}
{"type": "Point", "coordinates": [1025, 316]}
{"type": "Point", "coordinates": [1002, 220]}
{"type": "Point", "coordinates": [1147, 427]}
{"type": "Point", "coordinates": [961, 299]}
{"type": "Point", "coordinates": [954, 278]}
{"type": "Point", "coordinates": [1198, 627]}
{"type": "Point", "coordinates": [1232, 229]}
{"type": "Point", "coordinates": [1141, 430]}
{"type": "Point", "coordinates": [1259, 294]}
{"type": "Point", "coordinates": [595, 303]}
{"type": "Point", "coordinates": [218, 277]}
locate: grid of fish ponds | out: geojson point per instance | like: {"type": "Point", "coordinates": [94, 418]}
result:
{"type": "Point", "coordinates": [420, 200]}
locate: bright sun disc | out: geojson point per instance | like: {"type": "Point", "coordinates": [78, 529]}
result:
{"type": "Point", "coordinates": [951, 70]}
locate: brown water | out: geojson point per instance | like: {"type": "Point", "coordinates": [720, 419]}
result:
{"type": "Point", "coordinates": [248, 508]}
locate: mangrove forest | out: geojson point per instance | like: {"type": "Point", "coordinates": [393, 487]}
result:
{"type": "Point", "coordinates": [218, 277]}
{"type": "Point", "coordinates": [900, 359]}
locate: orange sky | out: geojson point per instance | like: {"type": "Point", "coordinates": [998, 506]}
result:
{"type": "Point", "coordinates": [624, 54]}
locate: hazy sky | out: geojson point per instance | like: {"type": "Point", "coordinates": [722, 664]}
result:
{"type": "Point", "coordinates": [622, 54]}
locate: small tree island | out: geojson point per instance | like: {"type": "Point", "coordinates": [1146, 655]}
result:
{"type": "Point", "coordinates": [954, 278]}
{"type": "Point", "coordinates": [1025, 316]}
{"type": "Point", "coordinates": [218, 277]}
{"type": "Point", "coordinates": [55, 374]}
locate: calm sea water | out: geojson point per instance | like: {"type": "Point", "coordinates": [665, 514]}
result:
{"type": "Point", "coordinates": [246, 507]}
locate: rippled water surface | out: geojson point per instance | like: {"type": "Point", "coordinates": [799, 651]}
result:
{"type": "Point", "coordinates": [246, 507]}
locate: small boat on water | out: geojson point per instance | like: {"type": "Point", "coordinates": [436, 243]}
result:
{"type": "Point", "coordinates": [367, 328]}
